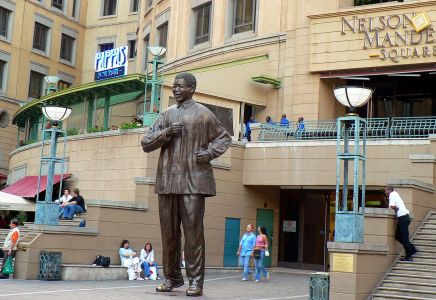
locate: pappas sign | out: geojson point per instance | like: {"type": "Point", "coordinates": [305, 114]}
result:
{"type": "Point", "coordinates": [111, 63]}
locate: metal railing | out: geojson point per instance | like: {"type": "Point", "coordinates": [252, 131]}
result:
{"type": "Point", "coordinates": [376, 128]}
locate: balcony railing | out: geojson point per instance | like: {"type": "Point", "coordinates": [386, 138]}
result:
{"type": "Point", "coordinates": [376, 129]}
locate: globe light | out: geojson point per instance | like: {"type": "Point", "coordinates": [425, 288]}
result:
{"type": "Point", "coordinates": [352, 96]}
{"type": "Point", "coordinates": [157, 50]}
{"type": "Point", "coordinates": [56, 113]}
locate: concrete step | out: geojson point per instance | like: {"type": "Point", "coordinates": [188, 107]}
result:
{"type": "Point", "coordinates": [417, 264]}
{"type": "Point", "coordinates": [425, 231]}
{"type": "Point", "coordinates": [380, 296]}
{"type": "Point", "coordinates": [421, 271]}
{"type": "Point", "coordinates": [422, 240]}
{"type": "Point", "coordinates": [422, 246]}
{"type": "Point", "coordinates": [73, 223]}
{"type": "Point", "coordinates": [412, 278]}
{"type": "Point", "coordinates": [409, 285]}
{"type": "Point", "coordinates": [424, 257]}
{"type": "Point", "coordinates": [418, 292]}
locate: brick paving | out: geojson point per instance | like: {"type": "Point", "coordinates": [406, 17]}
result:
{"type": "Point", "coordinates": [283, 284]}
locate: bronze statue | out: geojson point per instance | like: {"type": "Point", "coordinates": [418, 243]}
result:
{"type": "Point", "coordinates": [189, 136]}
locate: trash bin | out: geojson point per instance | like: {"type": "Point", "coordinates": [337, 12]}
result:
{"type": "Point", "coordinates": [50, 265]}
{"type": "Point", "coordinates": [319, 286]}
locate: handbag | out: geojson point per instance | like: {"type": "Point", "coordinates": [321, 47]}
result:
{"type": "Point", "coordinates": [266, 253]}
{"type": "Point", "coordinates": [153, 273]}
{"type": "Point", "coordinates": [8, 267]}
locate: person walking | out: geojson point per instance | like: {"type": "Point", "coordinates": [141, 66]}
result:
{"type": "Point", "coordinates": [10, 244]}
{"type": "Point", "coordinates": [261, 246]}
{"type": "Point", "coordinates": [190, 136]}
{"type": "Point", "coordinates": [245, 250]}
{"type": "Point", "coordinates": [403, 221]}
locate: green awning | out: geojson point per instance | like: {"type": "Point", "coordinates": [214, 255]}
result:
{"type": "Point", "coordinates": [266, 79]}
{"type": "Point", "coordinates": [120, 90]}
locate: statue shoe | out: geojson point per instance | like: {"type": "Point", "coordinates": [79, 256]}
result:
{"type": "Point", "coordinates": [169, 285]}
{"type": "Point", "coordinates": [194, 290]}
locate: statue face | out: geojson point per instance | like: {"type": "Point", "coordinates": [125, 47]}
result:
{"type": "Point", "coordinates": [182, 91]}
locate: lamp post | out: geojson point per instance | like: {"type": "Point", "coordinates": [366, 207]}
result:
{"type": "Point", "coordinates": [349, 221]}
{"type": "Point", "coordinates": [156, 85]}
{"type": "Point", "coordinates": [47, 212]}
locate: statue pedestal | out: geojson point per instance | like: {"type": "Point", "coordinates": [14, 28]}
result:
{"type": "Point", "coordinates": [46, 213]}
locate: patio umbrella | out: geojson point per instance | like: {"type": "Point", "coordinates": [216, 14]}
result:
{"type": "Point", "coordinates": [12, 202]}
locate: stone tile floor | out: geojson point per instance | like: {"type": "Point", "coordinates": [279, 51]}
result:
{"type": "Point", "coordinates": [282, 284]}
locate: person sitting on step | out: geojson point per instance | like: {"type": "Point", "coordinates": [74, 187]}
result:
{"type": "Point", "coordinates": [74, 206]}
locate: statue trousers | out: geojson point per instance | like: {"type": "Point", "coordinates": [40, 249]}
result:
{"type": "Point", "coordinates": [187, 210]}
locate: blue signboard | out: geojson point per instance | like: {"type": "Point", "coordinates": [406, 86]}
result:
{"type": "Point", "coordinates": [111, 63]}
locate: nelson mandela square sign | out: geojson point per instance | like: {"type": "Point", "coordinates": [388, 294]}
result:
{"type": "Point", "coordinates": [396, 37]}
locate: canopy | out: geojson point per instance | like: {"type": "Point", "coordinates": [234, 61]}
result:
{"type": "Point", "coordinates": [13, 202]}
{"type": "Point", "coordinates": [120, 90]}
{"type": "Point", "coordinates": [28, 186]}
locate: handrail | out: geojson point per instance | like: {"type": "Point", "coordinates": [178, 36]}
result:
{"type": "Point", "coordinates": [376, 128]}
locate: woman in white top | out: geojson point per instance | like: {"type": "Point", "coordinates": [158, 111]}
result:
{"type": "Point", "coordinates": [130, 260]}
{"type": "Point", "coordinates": [147, 261]}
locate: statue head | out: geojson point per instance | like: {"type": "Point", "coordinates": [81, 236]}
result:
{"type": "Point", "coordinates": [184, 87]}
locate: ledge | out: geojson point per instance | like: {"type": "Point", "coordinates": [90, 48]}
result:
{"type": "Point", "coordinates": [422, 158]}
{"type": "Point", "coordinates": [357, 248]}
{"type": "Point", "coordinates": [117, 204]}
{"type": "Point", "coordinates": [59, 229]}
{"type": "Point", "coordinates": [145, 180]}
{"type": "Point", "coordinates": [377, 212]}
{"type": "Point", "coordinates": [412, 183]}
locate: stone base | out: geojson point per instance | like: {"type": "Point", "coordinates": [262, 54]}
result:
{"type": "Point", "coordinates": [86, 272]}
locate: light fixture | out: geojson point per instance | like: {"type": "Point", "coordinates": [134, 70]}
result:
{"type": "Point", "coordinates": [355, 78]}
{"type": "Point", "coordinates": [404, 75]}
{"type": "Point", "coordinates": [352, 96]}
{"type": "Point", "coordinates": [56, 113]}
{"type": "Point", "coordinates": [157, 50]}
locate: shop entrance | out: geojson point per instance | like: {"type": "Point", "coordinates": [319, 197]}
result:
{"type": "Point", "coordinates": [304, 223]}
{"type": "Point", "coordinates": [307, 223]}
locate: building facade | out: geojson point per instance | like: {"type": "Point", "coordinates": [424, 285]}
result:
{"type": "Point", "coordinates": [255, 58]}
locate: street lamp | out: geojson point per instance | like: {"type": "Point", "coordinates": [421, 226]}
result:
{"type": "Point", "coordinates": [156, 85]}
{"type": "Point", "coordinates": [47, 212]}
{"type": "Point", "coordinates": [349, 223]}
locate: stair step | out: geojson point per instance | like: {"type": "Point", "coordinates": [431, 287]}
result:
{"type": "Point", "coordinates": [413, 271]}
{"type": "Point", "coordinates": [389, 296]}
{"type": "Point", "coordinates": [409, 285]}
{"type": "Point", "coordinates": [408, 292]}
{"type": "Point", "coordinates": [412, 277]}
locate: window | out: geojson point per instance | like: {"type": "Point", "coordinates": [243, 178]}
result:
{"type": "Point", "coordinates": [2, 74]}
{"type": "Point", "coordinates": [59, 4]}
{"type": "Point", "coordinates": [146, 44]}
{"type": "Point", "coordinates": [244, 16]}
{"type": "Point", "coordinates": [202, 24]}
{"type": "Point", "coordinates": [63, 85]}
{"type": "Point", "coordinates": [75, 11]}
{"type": "Point", "coordinates": [67, 47]}
{"type": "Point", "coordinates": [35, 85]}
{"type": "Point", "coordinates": [106, 46]}
{"type": "Point", "coordinates": [134, 6]}
{"type": "Point", "coordinates": [40, 37]}
{"type": "Point", "coordinates": [4, 21]}
{"type": "Point", "coordinates": [4, 63]}
{"type": "Point", "coordinates": [132, 48]}
{"type": "Point", "coordinates": [109, 7]}
{"type": "Point", "coordinates": [162, 32]}
{"type": "Point", "coordinates": [366, 2]}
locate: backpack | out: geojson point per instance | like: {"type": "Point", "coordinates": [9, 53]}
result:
{"type": "Point", "coordinates": [102, 261]}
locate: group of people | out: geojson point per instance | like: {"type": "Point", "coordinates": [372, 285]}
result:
{"type": "Point", "coordinates": [252, 246]}
{"type": "Point", "coordinates": [136, 262]}
{"type": "Point", "coordinates": [283, 122]}
{"type": "Point", "coordinates": [70, 205]}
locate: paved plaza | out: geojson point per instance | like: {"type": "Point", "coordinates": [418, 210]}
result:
{"type": "Point", "coordinates": [282, 285]}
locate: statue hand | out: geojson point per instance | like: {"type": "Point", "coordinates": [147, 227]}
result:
{"type": "Point", "coordinates": [174, 129]}
{"type": "Point", "coordinates": [202, 156]}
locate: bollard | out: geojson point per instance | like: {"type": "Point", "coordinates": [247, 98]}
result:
{"type": "Point", "coordinates": [50, 265]}
{"type": "Point", "coordinates": [319, 286]}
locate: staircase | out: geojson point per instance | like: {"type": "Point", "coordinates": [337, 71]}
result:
{"type": "Point", "coordinates": [414, 280]}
